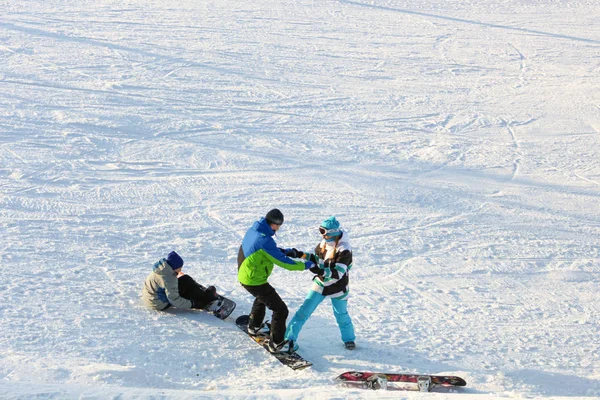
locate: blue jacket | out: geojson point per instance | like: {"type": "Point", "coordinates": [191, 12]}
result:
{"type": "Point", "coordinates": [259, 253]}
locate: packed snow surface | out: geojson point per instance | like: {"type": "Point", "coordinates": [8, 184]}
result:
{"type": "Point", "coordinates": [457, 141]}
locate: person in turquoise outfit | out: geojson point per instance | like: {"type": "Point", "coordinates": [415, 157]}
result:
{"type": "Point", "coordinates": [333, 261]}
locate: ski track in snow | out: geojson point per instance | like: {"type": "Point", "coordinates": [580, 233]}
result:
{"type": "Point", "coordinates": [456, 141]}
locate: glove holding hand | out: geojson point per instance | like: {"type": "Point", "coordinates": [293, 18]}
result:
{"type": "Point", "coordinates": [308, 265]}
{"type": "Point", "coordinates": [293, 253]}
{"type": "Point", "coordinates": [312, 257]}
{"type": "Point", "coordinates": [290, 252]}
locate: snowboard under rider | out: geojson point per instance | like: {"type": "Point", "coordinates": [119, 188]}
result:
{"type": "Point", "coordinates": [333, 261]}
{"type": "Point", "coordinates": [257, 257]}
{"type": "Point", "coordinates": [167, 286]}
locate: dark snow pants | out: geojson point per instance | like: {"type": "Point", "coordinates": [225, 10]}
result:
{"type": "Point", "coordinates": [190, 289]}
{"type": "Point", "coordinates": [266, 297]}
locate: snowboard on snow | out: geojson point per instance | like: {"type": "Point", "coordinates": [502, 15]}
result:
{"type": "Point", "coordinates": [376, 380]}
{"type": "Point", "coordinates": [226, 306]}
{"type": "Point", "coordinates": [293, 360]}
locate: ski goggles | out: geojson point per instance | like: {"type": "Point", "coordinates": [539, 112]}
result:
{"type": "Point", "coordinates": [324, 231]}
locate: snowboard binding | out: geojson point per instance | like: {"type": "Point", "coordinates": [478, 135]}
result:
{"type": "Point", "coordinates": [424, 383]}
{"type": "Point", "coordinates": [376, 382]}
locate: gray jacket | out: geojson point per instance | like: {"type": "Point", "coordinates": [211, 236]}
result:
{"type": "Point", "coordinates": [161, 288]}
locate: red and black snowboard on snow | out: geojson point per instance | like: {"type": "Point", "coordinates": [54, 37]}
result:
{"type": "Point", "coordinates": [376, 380]}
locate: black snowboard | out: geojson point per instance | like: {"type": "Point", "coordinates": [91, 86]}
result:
{"type": "Point", "coordinates": [226, 307]}
{"type": "Point", "coordinates": [292, 360]}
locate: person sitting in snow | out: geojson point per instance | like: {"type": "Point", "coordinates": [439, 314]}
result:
{"type": "Point", "coordinates": [333, 260]}
{"type": "Point", "coordinates": [167, 286]}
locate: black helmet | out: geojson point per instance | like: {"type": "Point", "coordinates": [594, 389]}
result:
{"type": "Point", "coordinates": [275, 217]}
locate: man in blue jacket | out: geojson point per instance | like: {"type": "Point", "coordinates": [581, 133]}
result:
{"type": "Point", "coordinates": [257, 257]}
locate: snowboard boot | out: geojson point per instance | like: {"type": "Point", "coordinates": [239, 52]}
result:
{"type": "Point", "coordinates": [287, 346]}
{"type": "Point", "coordinates": [212, 291]}
{"type": "Point", "coordinates": [263, 330]}
{"type": "Point", "coordinates": [350, 345]}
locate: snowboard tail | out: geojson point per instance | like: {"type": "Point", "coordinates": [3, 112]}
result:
{"type": "Point", "coordinates": [293, 360]}
{"type": "Point", "coordinates": [376, 380]}
{"type": "Point", "coordinates": [226, 307]}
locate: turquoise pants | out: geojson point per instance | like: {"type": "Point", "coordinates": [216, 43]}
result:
{"type": "Point", "coordinates": [312, 301]}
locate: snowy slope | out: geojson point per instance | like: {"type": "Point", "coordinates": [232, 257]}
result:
{"type": "Point", "coordinates": [456, 141]}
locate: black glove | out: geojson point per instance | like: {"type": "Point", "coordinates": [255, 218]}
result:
{"type": "Point", "coordinates": [312, 257]}
{"type": "Point", "coordinates": [293, 253]}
